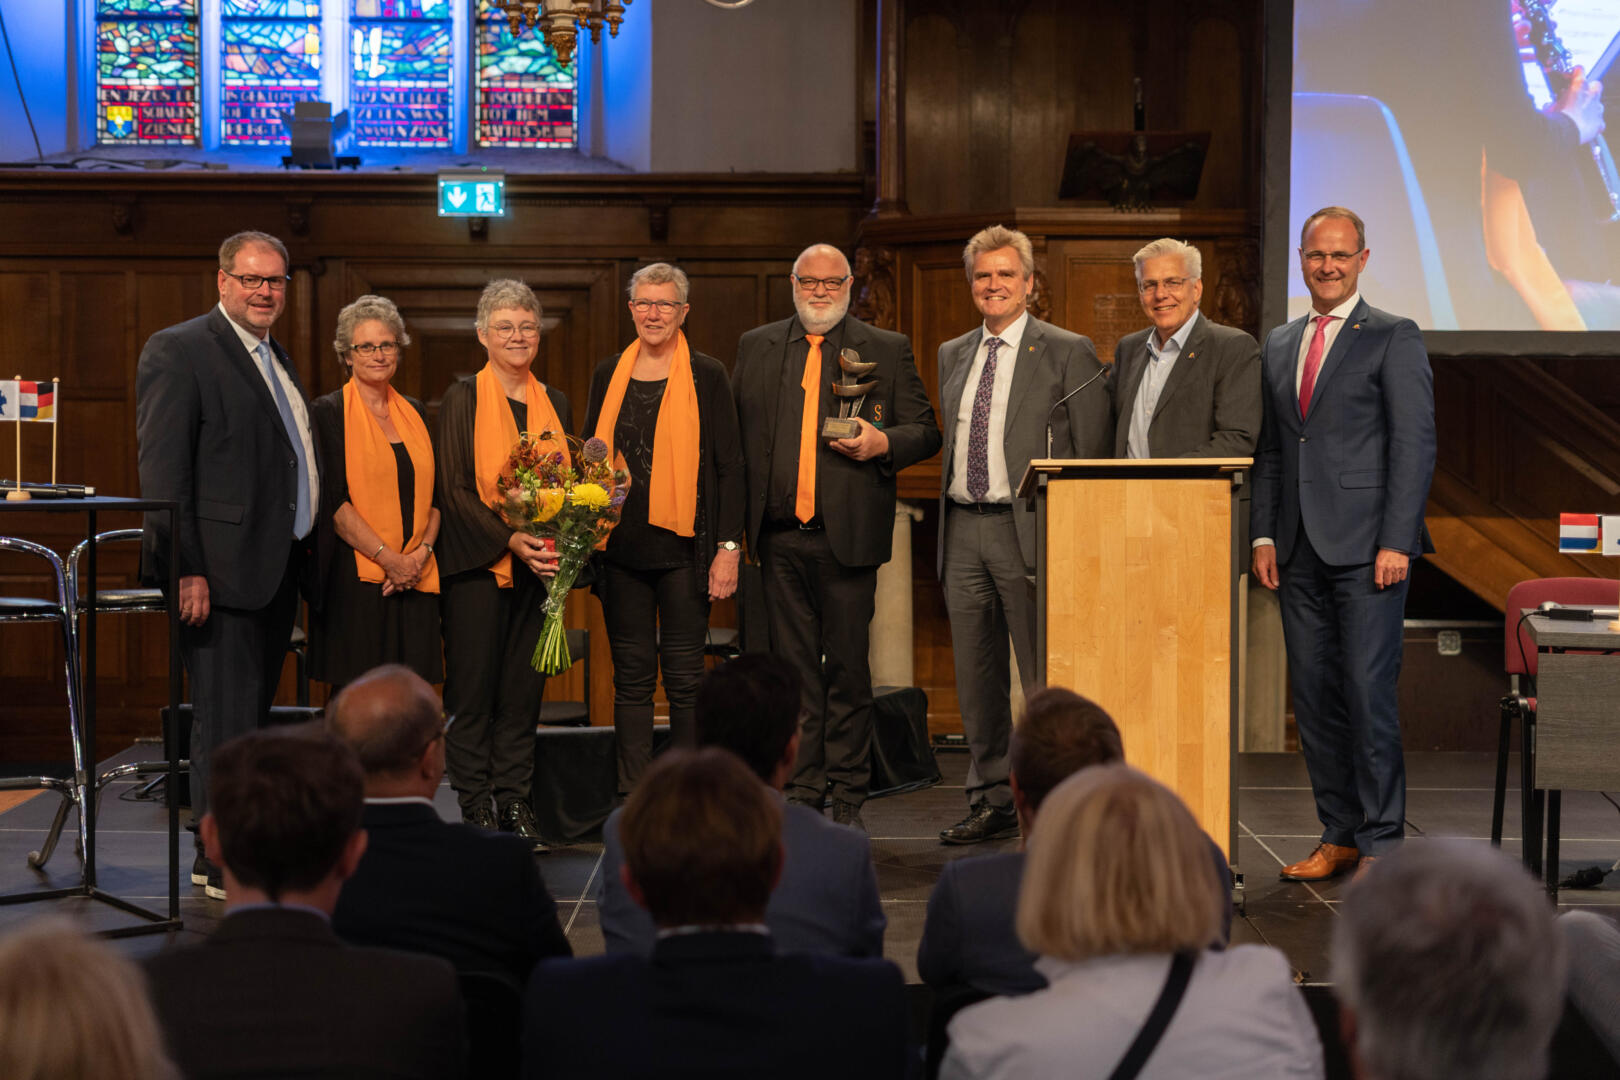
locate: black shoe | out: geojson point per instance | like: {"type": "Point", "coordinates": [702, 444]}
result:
{"type": "Point", "coordinates": [480, 817]}
{"type": "Point", "coordinates": [518, 819]}
{"type": "Point", "coordinates": [199, 869]}
{"type": "Point", "coordinates": [209, 876]}
{"type": "Point", "coordinates": [848, 813]}
{"type": "Point", "coordinates": [808, 804]}
{"type": "Point", "coordinates": [984, 822]}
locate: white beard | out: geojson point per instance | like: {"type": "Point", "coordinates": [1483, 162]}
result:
{"type": "Point", "coordinates": [813, 325]}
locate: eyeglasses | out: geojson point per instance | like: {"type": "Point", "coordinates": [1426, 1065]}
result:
{"type": "Point", "coordinates": [252, 282]}
{"type": "Point", "coordinates": [1171, 284]}
{"type": "Point", "coordinates": [665, 307]}
{"type": "Point", "coordinates": [508, 331]}
{"type": "Point", "coordinates": [811, 284]}
{"type": "Point", "coordinates": [1317, 258]}
{"type": "Point", "coordinates": [386, 348]}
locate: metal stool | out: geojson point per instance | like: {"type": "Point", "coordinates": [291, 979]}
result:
{"type": "Point", "coordinates": [62, 612]}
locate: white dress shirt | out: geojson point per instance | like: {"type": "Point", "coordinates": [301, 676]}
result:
{"type": "Point", "coordinates": [1161, 362]}
{"type": "Point", "coordinates": [295, 401]}
{"type": "Point", "coordinates": [1000, 489]}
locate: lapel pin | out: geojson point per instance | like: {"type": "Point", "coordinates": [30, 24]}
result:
{"type": "Point", "coordinates": [1032, 348]}
{"type": "Point", "coordinates": [1356, 326]}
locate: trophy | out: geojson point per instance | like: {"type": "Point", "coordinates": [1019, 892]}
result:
{"type": "Point", "coordinates": [851, 393]}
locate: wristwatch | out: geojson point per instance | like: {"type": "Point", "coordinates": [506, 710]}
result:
{"type": "Point", "coordinates": [729, 545]}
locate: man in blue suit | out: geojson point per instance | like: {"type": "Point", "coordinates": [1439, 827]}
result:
{"type": "Point", "coordinates": [1340, 479]}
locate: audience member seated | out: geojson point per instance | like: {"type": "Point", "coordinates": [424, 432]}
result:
{"type": "Point", "coordinates": [827, 900]}
{"type": "Point", "coordinates": [1122, 903]}
{"type": "Point", "coordinates": [273, 991]}
{"type": "Point", "coordinates": [73, 1008]}
{"type": "Point", "coordinates": [1594, 972]}
{"type": "Point", "coordinates": [1446, 964]}
{"type": "Point", "coordinates": [702, 844]}
{"type": "Point", "coordinates": [970, 948]}
{"type": "Point", "coordinates": [471, 896]}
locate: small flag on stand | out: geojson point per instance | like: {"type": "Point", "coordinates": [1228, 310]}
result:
{"type": "Point", "coordinates": [1579, 533]}
{"type": "Point", "coordinates": [22, 399]}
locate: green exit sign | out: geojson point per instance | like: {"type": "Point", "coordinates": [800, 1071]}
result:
{"type": "Point", "coordinates": [477, 194]}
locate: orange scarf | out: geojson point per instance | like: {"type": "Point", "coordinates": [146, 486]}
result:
{"type": "Point", "coordinates": [494, 435]}
{"type": "Point", "coordinates": [672, 487]}
{"type": "Point", "coordinates": [373, 477]}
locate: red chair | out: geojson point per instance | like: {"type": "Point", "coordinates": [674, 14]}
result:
{"type": "Point", "coordinates": [1519, 660]}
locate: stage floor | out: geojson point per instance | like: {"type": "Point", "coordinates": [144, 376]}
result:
{"type": "Point", "coordinates": [1449, 794]}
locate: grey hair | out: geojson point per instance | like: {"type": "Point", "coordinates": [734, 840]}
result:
{"type": "Point", "coordinates": [1447, 954]}
{"type": "Point", "coordinates": [506, 293]}
{"type": "Point", "coordinates": [1191, 259]}
{"type": "Point", "coordinates": [995, 238]}
{"type": "Point", "coordinates": [820, 249]}
{"type": "Point", "coordinates": [367, 309]}
{"type": "Point", "coordinates": [238, 241]}
{"type": "Point", "coordinates": [659, 273]}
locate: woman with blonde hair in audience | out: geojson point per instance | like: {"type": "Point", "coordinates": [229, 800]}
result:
{"type": "Point", "coordinates": [1121, 902]}
{"type": "Point", "coordinates": [72, 1008]}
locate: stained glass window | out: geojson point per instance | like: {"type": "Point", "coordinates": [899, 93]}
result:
{"type": "Point", "coordinates": [400, 63]}
{"type": "Point", "coordinates": [524, 97]}
{"type": "Point", "coordinates": [146, 72]}
{"type": "Point", "coordinates": [270, 59]}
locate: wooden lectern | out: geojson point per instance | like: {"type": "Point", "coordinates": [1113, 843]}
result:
{"type": "Point", "coordinates": [1136, 589]}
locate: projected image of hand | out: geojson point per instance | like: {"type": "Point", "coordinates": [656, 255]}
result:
{"type": "Point", "coordinates": [1582, 102]}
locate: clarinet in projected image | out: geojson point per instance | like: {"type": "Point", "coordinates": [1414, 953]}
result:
{"type": "Point", "coordinates": [1559, 68]}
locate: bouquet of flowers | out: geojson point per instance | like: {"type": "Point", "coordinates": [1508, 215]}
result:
{"type": "Point", "coordinates": [573, 506]}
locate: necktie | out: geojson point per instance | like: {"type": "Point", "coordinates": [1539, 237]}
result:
{"type": "Point", "coordinates": [302, 519]}
{"type": "Point", "coordinates": [978, 459]}
{"type": "Point", "coordinates": [1313, 364]}
{"type": "Point", "coordinates": [804, 503]}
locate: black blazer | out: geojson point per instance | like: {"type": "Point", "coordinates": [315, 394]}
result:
{"type": "Point", "coordinates": [1210, 405]}
{"type": "Point", "coordinates": [716, 1006]}
{"type": "Point", "coordinates": [273, 992]}
{"type": "Point", "coordinates": [210, 437]}
{"type": "Point", "coordinates": [720, 491]}
{"type": "Point", "coordinates": [470, 896]}
{"type": "Point", "coordinates": [858, 496]}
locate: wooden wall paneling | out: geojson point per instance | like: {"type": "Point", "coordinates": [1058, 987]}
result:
{"type": "Point", "coordinates": [1215, 96]}
{"type": "Point", "coordinates": [1100, 292]}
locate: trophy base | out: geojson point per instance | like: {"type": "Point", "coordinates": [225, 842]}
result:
{"type": "Point", "coordinates": [836, 428]}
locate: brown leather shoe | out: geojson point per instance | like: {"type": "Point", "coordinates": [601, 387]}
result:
{"type": "Point", "coordinates": [1327, 861]}
{"type": "Point", "coordinates": [1362, 867]}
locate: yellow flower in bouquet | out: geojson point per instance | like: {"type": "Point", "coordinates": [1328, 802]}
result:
{"type": "Point", "coordinates": [590, 496]}
{"type": "Point", "coordinates": [547, 501]}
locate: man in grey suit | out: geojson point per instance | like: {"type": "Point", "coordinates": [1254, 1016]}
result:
{"type": "Point", "coordinates": [1185, 386]}
{"type": "Point", "coordinates": [826, 900]}
{"type": "Point", "coordinates": [1003, 385]}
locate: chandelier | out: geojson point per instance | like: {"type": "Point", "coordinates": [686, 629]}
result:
{"type": "Point", "coordinates": [561, 20]}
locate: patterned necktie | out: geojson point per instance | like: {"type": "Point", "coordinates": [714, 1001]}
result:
{"type": "Point", "coordinates": [804, 502]}
{"type": "Point", "coordinates": [1313, 364]}
{"type": "Point", "coordinates": [302, 517]}
{"type": "Point", "coordinates": [978, 459]}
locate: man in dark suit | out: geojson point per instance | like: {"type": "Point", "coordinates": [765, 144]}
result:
{"type": "Point", "coordinates": [471, 896]}
{"type": "Point", "coordinates": [827, 898]}
{"type": "Point", "coordinates": [223, 429]}
{"type": "Point", "coordinates": [1185, 386]}
{"type": "Point", "coordinates": [703, 848]}
{"type": "Point", "coordinates": [1340, 480]}
{"type": "Point", "coordinates": [1001, 385]}
{"type": "Point", "coordinates": [273, 992]}
{"type": "Point", "coordinates": [821, 511]}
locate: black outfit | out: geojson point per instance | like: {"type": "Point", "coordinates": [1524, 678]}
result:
{"type": "Point", "coordinates": [715, 1006]}
{"type": "Point", "coordinates": [654, 584]}
{"type": "Point", "coordinates": [354, 627]}
{"type": "Point", "coordinates": [820, 578]}
{"type": "Point", "coordinates": [211, 438]}
{"type": "Point", "coordinates": [470, 896]}
{"type": "Point", "coordinates": [273, 992]}
{"type": "Point", "coordinates": [491, 691]}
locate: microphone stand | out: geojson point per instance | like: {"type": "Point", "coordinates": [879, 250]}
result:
{"type": "Point", "coordinates": [1053, 410]}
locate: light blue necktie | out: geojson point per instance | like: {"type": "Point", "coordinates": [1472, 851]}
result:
{"type": "Point", "coordinates": [301, 515]}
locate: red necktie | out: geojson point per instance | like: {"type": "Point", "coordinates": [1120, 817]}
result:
{"type": "Point", "coordinates": [1313, 364]}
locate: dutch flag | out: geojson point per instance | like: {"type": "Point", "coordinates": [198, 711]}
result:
{"type": "Point", "coordinates": [1578, 533]}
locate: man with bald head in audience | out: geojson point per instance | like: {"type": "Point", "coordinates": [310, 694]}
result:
{"type": "Point", "coordinates": [820, 513]}
{"type": "Point", "coordinates": [424, 884]}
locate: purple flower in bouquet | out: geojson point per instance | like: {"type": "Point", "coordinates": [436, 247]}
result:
{"type": "Point", "coordinates": [618, 497]}
{"type": "Point", "coordinates": [594, 451]}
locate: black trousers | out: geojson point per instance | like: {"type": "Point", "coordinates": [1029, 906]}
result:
{"type": "Point", "coordinates": [655, 619]}
{"type": "Point", "coordinates": [234, 661]}
{"type": "Point", "coordinates": [491, 691]}
{"type": "Point", "coordinates": [821, 615]}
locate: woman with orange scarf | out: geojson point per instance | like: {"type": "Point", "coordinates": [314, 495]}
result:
{"type": "Point", "coordinates": [379, 581]}
{"type": "Point", "coordinates": [669, 412]}
{"type": "Point", "coordinates": [492, 587]}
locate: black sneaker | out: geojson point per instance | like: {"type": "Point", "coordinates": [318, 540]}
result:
{"type": "Point", "coordinates": [518, 819]}
{"type": "Point", "coordinates": [984, 822]}
{"type": "Point", "coordinates": [209, 876]}
{"type": "Point", "coordinates": [848, 813]}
